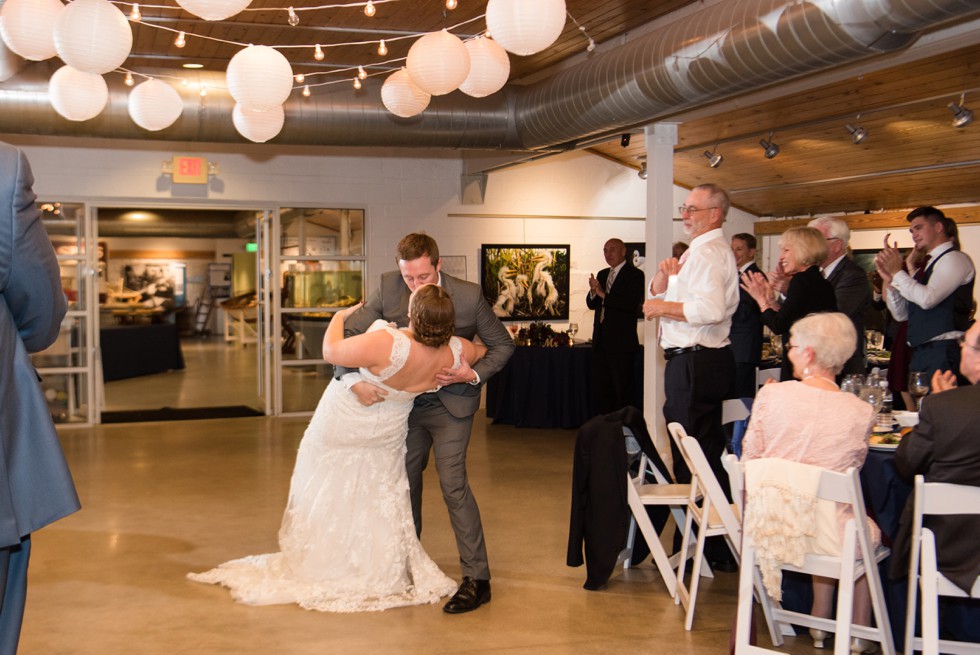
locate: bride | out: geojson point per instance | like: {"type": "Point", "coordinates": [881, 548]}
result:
{"type": "Point", "coordinates": [347, 541]}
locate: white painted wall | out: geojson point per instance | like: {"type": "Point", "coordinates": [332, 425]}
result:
{"type": "Point", "coordinates": [574, 198]}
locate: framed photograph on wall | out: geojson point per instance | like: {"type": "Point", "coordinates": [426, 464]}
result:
{"type": "Point", "coordinates": [526, 282]}
{"type": "Point", "coordinates": [636, 252]}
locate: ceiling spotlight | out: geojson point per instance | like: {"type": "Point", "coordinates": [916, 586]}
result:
{"type": "Point", "coordinates": [643, 171]}
{"type": "Point", "coordinates": [961, 115]}
{"type": "Point", "coordinates": [858, 134]}
{"type": "Point", "coordinates": [714, 158]}
{"type": "Point", "coordinates": [771, 148]}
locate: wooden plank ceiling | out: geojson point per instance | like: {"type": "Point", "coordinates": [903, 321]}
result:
{"type": "Point", "coordinates": [912, 155]}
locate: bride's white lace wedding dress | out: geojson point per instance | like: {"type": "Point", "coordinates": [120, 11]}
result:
{"type": "Point", "coordinates": [347, 541]}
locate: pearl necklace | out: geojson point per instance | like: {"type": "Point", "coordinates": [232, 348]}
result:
{"type": "Point", "coordinates": [821, 379]}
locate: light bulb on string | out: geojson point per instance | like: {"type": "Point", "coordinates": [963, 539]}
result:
{"type": "Point", "coordinates": [181, 40]}
{"type": "Point", "coordinates": [318, 53]}
{"type": "Point", "coordinates": [306, 91]}
{"type": "Point", "coordinates": [129, 81]}
{"type": "Point", "coordinates": [135, 14]}
{"type": "Point", "coordinates": [369, 9]}
{"type": "Point", "coordinates": [361, 73]}
{"type": "Point", "coordinates": [293, 19]}
{"type": "Point", "coordinates": [183, 82]}
{"type": "Point", "coordinates": [451, 4]}
{"type": "Point", "coordinates": [382, 48]}
{"type": "Point", "coordinates": [300, 78]}
{"type": "Point", "coordinates": [357, 84]}
{"type": "Point", "coordinates": [204, 90]}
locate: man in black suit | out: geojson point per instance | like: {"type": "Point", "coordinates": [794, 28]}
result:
{"type": "Point", "coordinates": [851, 286]}
{"type": "Point", "coordinates": [616, 296]}
{"type": "Point", "coordinates": [945, 447]}
{"type": "Point", "coordinates": [746, 333]}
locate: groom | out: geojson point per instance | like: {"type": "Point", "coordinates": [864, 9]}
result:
{"type": "Point", "coordinates": [441, 421]}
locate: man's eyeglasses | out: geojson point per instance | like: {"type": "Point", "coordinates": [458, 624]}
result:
{"type": "Point", "coordinates": [963, 342]}
{"type": "Point", "coordinates": [688, 209]}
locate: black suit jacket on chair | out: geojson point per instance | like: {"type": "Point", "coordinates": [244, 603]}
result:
{"type": "Point", "coordinates": [853, 292]}
{"type": "Point", "coordinates": [746, 332]}
{"type": "Point", "coordinates": [623, 305]}
{"type": "Point", "coordinates": [944, 447]}
{"type": "Point", "coordinates": [600, 511]}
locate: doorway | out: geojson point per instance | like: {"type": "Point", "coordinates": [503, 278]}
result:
{"type": "Point", "coordinates": [179, 314]}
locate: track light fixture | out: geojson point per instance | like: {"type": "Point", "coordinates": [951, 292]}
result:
{"type": "Point", "coordinates": [961, 115]}
{"type": "Point", "coordinates": [624, 140]}
{"type": "Point", "coordinates": [858, 134]}
{"type": "Point", "coordinates": [643, 167]}
{"type": "Point", "coordinates": [771, 149]}
{"type": "Point", "coordinates": [714, 158]}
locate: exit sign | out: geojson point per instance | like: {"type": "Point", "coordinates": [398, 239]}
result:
{"type": "Point", "coordinates": [190, 170]}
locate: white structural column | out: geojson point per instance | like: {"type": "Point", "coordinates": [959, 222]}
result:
{"type": "Point", "coordinates": [660, 141]}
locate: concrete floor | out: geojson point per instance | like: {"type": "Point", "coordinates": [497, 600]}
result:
{"type": "Point", "coordinates": [162, 499]}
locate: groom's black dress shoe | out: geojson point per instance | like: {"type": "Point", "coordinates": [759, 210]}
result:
{"type": "Point", "coordinates": [470, 595]}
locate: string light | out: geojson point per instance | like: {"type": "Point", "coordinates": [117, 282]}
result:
{"type": "Point", "coordinates": [451, 4]}
{"type": "Point", "coordinates": [129, 79]}
{"type": "Point", "coordinates": [318, 53]}
{"type": "Point", "coordinates": [204, 90]}
{"type": "Point", "coordinates": [135, 14]}
{"type": "Point", "coordinates": [361, 73]}
{"type": "Point", "coordinates": [180, 41]}
{"type": "Point", "coordinates": [306, 91]}
{"type": "Point", "coordinates": [357, 84]}
{"type": "Point", "coordinates": [369, 9]}
{"type": "Point", "coordinates": [300, 78]}
{"type": "Point", "coordinates": [183, 82]}
{"type": "Point", "coordinates": [293, 19]}
{"type": "Point", "coordinates": [382, 49]}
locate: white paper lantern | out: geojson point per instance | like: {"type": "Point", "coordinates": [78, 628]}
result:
{"type": "Point", "coordinates": [93, 36]}
{"type": "Point", "coordinates": [402, 97]}
{"type": "Point", "coordinates": [525, 26]}
{"type": "Point", "coordinates": [258, 126]}
{"type": "Point", "coordinates": [27, 27]}
{"type": "Point", "coordinates": [155, 105]}
{"type": "Point", "coordinates": [214, 9]}
{"type": "Point", "coordinates": [76, 95]}
{"type": "Point", "coordinates": [489, 68]}
{"type": "Point", "coordinates": [259, 77]}
{"type": "Point", "coordinates": [438, 63]}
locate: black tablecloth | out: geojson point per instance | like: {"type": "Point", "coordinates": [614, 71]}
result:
{"type": "Point", "coordinates": [133, 350]}
{"type": "Point", "coordinates": [543, 388]}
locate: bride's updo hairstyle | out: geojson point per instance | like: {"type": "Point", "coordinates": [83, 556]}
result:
{"type": "Point", "coordinates": [432, 315]}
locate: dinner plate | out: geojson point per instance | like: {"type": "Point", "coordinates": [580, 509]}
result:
{"type": "Point", "coordinates": [882, 446]}
{"type": "Point", "coordinates": [906, 419]}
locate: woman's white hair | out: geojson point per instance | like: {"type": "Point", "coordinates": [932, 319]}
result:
{"type": "Point", "coordinates": [830, 335]}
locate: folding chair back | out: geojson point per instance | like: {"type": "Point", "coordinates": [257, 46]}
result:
{"type": "Point", "coordinates": [935, 499]}
{"type": "Point", "coordinates": [856, 559]}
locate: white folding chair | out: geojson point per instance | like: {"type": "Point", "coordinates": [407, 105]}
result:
{"type": "Point", "coordinates": [847, 568]}
{"type": "Point", "coordinates": [762, 375]}
{"type": "Point", "coordinates": [639, 494]}
{"type": "Point", "coordinates": [935, 498]}
{"type": "Point", "coordinates": [714, 517]}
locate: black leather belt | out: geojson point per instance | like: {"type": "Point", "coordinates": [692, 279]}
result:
{"type": "Point", "coordinates": [670, 353]}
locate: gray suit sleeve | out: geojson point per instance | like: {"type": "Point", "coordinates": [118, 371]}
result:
{"type": "Point", "coordinates": [31, 285]}
{"type": "Point", "coordinates": [496, 338]}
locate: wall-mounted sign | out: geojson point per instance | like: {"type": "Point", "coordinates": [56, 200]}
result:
{"type": "Point", "coordinates": [189, 170]}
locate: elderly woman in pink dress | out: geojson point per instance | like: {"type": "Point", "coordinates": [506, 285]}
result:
{"type": "Point", "coordinates": [809, 420]}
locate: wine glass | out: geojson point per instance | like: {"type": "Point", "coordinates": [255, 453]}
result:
{"type": "Point", "coordinates": [572, 330]}
{"type": "Point", "coordinates": [871, 395]}
{"type": "Point", "coordinates": [918, 386]}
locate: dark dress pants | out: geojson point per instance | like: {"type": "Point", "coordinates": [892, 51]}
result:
{"type": "Point", "coordinates": [613, 375]}
{"type": "Point", "coordinates": [13, 587]}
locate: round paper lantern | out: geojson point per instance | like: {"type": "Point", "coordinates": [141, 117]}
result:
{"type": "Point", "coordinates": [489, 68]}
{"type": "Point", "coordinates": [258, 126]}
{"type": "Point", "coordinates": [259, 77]}
{"type": "Point", "coordinates": [155, 105]}
{"type": "Point", "coordinates": [214, 9]}
{"type": "Point", "coordinates": [27, 27]}
{"type": "Point", "coordinates": [524, 27]}
{"type": "Point", "coordinates": [402, 97]}
{"type": "Point", "coordinates": [438, 63]}
{"type": "Point", "coordinates": [92, 36]}
{"type": "Point", "coordinates": [76, 95]}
